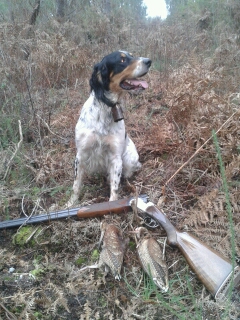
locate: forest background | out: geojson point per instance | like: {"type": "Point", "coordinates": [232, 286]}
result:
{"type": "Point", "coordinates": [47, 52]}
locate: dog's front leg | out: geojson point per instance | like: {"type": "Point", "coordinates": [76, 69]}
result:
{"type": "Point", "coordinates": [115, 173]}
{"type": "Point", "coordinates": [77, 185]}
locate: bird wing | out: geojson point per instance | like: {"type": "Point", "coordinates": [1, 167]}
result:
{"type": "Point", "coordinates": [153, 262]}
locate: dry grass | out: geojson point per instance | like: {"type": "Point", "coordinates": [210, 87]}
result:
{"type": "Point", "coordinates": [44, 84]}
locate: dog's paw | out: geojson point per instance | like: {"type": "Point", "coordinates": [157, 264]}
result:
{"type": "Point", "coordinates": [113, 197]}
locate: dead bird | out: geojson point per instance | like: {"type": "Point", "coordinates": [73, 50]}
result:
{"type": "Point", "coordinates": [113, 247]}
{"type": "Point", "coordinates": [152, 258]}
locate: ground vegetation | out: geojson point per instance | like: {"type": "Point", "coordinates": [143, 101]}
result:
{"type": "Point", "coordinates": [47, 52]}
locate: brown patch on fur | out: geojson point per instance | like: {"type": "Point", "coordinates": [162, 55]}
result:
{"type": "Point", "coordinates": [127, 73]}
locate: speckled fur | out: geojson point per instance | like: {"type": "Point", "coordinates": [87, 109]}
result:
{"type": "Point", "coordinates": [102, 144]}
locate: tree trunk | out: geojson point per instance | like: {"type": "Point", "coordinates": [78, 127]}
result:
{"type": "Point", "coordinates": [60, 10]}
{"type": "Point", "coordinates": [35, 13]}
{"type": "Point", "coordinates": [106, 7]}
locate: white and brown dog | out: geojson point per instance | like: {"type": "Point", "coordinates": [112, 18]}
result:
{"type": "Point", "coordinates": [102, 143]}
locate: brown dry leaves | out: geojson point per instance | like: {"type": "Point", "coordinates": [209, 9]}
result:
{"type": "Point", "coordinates": [168, 123]}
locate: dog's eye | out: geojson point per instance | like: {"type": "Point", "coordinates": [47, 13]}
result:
{"type": "Point", "coordinates": [123, 60]}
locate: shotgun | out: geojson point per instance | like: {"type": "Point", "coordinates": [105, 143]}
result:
{"type": "Point", "coordinates": [216, 272]}
{"type": "Point", "coordinates": [96, 209]}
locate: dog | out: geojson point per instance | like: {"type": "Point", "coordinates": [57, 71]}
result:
{"type": "Point", "coordinates": [102, 144]}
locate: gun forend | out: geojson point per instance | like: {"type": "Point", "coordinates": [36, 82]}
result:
{"type": "Point", "coordinates": [215, 271]}
{"type": "Point", "coordinates": [92, 210]}
{"type": "Point", "coordinates": [100, 209]}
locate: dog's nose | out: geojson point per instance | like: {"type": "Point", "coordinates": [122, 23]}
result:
{"type": "Point", "coordinates": [147, 61]}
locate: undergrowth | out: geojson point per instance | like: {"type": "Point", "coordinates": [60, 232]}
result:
{"type": "Point", "coordinates": [193, 89]}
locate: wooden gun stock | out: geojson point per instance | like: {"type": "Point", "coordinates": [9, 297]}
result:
{"type": "Point", "coordinates": [213, 270]}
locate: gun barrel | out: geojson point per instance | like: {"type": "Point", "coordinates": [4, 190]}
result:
{"type": "Point", "coordinates": [39, 218]}
{"type": "Point", "coordinates": [92, 210]}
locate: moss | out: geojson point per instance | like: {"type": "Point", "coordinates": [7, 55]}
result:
{"type": "Point", "coordinates": [80, 261]}
{"type": "Point", "coordinates": [37, 259]}
{"type": "Point", "coordinates": [102, 301]}
{"type": "Point", "coordinates": [38, 315]}
{"type": "Point", "coordinates": [95, 255]}
{"type": "Point", "coordinates": [132, 245]}
{"type": "Point", "coordinates": [17, 309]}
{"type": "Point", "coordinates": [37, 273]}
{"type": "Point", "coordinates": [21, 237]}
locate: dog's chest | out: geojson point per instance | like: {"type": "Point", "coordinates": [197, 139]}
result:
{"type": "Point", "coordinates": [97, 116]}
{"type": "Point", "coordinates": [98, 138]}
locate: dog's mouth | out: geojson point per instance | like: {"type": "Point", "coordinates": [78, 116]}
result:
{"type": "Point", "coordinates": [134, 84]}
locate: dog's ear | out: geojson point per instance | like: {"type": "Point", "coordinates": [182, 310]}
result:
{"type": "Point", "coordinates": [99, 82]}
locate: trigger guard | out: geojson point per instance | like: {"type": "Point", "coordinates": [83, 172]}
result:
{"type": "Point", "coordinates": [151, 223]}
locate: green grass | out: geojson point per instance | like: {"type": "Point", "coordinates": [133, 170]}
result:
{"type": "Point", "coordinates": [227, 198]}
{"type": "Point", "coordinates": [182, 302]}
{"type": "Point", "coordinates": [179, 301]}
{"type": "Point", "coordinates": [229, 210]}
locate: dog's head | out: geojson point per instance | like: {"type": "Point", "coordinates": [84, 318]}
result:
{"type": "Point", "coordinates": [116, 73]}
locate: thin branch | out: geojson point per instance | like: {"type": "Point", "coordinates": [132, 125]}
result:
{"type": "Point", "coordinates": [8, 312]}
{"type": "Point", "coordinates": [47, 126]}
{"type": "Point", "coordinates": [17, 148]}
{"type": "Point", "coordinates": [30, 96]}
{"type": "Point", "coordinates": [33, 210]}
{"type": "Point", "coordinates": [23, 210]}
{"type": "Point", "coordinates": [196, 152]}
{"type": "Point", "coordinates": [35, 13]}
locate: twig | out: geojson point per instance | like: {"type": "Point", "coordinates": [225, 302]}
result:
{"type": "Point", "coordinates": [200, 177]}
{"type": "Point", "coordinates": [164, 246]}
{"type": "Point", "coordinates": [173, 264]}
{"type": "Point", "coordinates": [35, 13]}
{"type": "Point", "coordinates": [45, 123]}
{"type": "Point", "coordinates": [31, 235]}
{"type": "Point", "coordinates": [137, 316]}
{"type": "Point", "coordinates": [36, 205]}
{"type": "Point", "coordinates": [41, 231]}
{"type": "Point", "coordinates": [197, 151]}
{"type": "Point", "coordinates": [17, 148]}
{"type": "Point", "coordinates": [23, 210]}
{"type": "Point", "coordinates": [8, 312]}
{"type": "Point", "coordinates": [30, 96]}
